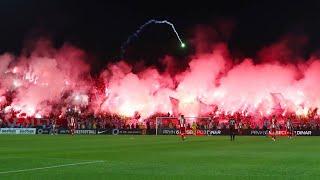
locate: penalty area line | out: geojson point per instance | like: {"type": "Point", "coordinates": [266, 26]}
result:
{"type": "Point", "coordinates": [50, 167]}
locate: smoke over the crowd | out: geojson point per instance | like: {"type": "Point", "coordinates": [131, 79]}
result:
{"type": "Point", "coordinates": [48, 81]}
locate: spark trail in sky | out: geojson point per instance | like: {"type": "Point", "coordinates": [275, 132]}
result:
{"type": "Point", "coordinates": [140, 29]}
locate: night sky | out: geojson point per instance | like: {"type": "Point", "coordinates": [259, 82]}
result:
{"type": "Point", "coordinates": [100, 27]}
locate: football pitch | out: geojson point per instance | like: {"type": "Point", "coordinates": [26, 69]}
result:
{"type": "Point", "coordinates": [158, 157]}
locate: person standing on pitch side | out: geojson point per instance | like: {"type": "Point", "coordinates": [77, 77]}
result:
{"type": "Point", "coordinates": [182, 121]}
{"type": "Point", "coordinates": [232, 128]}
{"type": "Point", "coordinates": [273, 128]}
{"type": "Point", "coordinates": [289, 128]}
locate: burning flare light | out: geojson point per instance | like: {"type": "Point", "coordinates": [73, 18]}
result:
{"type": "Point", "coordinates": [49, 81]}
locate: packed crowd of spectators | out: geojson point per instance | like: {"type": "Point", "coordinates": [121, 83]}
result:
{"type": "Point", "coordinates": [106, 121]}
{"type": "Point", "coordinates": [247, 122]}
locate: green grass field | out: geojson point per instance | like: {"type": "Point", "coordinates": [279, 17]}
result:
{"type": "Point", "coordinates": [158, 157]}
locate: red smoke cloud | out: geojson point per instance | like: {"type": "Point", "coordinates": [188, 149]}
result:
{"type": "Point", "coordinates": [49, 80]}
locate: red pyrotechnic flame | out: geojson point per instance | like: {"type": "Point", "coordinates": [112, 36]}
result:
{"type": "Point", "coordinates": [50, 80]}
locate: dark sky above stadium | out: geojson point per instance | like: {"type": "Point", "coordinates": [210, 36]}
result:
{"type": "Point", "coordinates": [100, 27]}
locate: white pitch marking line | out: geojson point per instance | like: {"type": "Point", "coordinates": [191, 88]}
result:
{"type": "Point", "coordinates": [50, 167]}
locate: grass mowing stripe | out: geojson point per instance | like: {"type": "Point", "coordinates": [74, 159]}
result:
{"type": "Point", "coordinates": [161, 157]}
{"type": "Point", "coordinates": [50, 167]}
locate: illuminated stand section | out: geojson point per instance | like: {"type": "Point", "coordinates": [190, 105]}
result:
{"type": "Point", "coordinates": [173, 122]}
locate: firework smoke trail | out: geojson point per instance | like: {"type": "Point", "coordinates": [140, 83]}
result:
{"type": "Point", "coordinates": [136, 34]}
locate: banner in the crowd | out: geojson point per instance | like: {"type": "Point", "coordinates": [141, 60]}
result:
{"type": "Point", "coordinates": [209, 132]}
{"type": "Point", "coordinates": [43, 131]}
{"type": "Point", "coordinates": [164, 131]}
{"type": "Point", "coordinates": [307, 133]}
{"type": "Point", "coordinates": [168, 131]}
{"type": "Point", "coordinates": [18, 130]}
{"type": "Point", "coordinates": [126, 131]}
{"type": "Point", "coordinates": [206, 132]}
{"type": "Point", "coordinates": [284, 133]}
{"type": "Point", "coordinates": [104, 131]}
{"type": "Point", "coordinates": [63, 131]}
{"type": "Point", "coordinates": [256, 132]}
{"type": "Point", "coordinates": [85, 131]}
